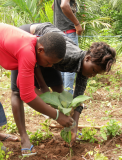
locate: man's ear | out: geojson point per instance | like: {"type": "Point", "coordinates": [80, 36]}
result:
{"type": "Point", "coordinates": [40, 48]}
{"type": "Point", "coordinates": [87, 58]}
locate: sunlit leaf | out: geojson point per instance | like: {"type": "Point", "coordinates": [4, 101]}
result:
{"type": "Point", "coordinates": [78, 100]}
{"type": "Point", "coordinates": [51, 98]}
{"type": "Point", "coordinates": [65, 98]}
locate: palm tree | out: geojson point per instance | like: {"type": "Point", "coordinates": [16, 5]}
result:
{"type": "Point", "coordinates": [117, 5]}
{"type": "Point", "coordinates": [34, 11]}
{"type": "Point", "coordinates": [91, 21]}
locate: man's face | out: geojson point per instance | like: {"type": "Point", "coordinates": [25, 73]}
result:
{"type": "Point", "coordinates": [89, 68]}
{"type": "Point", "coordinates": [45, 61]}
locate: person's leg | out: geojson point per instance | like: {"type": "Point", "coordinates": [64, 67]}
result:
{"type": "Point", "coordinates": [18, 112]}
{"type": "Point", "coordinates": [69, 77]}
{"type": "Point", "coordinates": [63, 78]}
{"type": "Point", "coordinates": [8, 137]}
{"type": "Point", "coordinates": [74, 37]}
{"type": "Point", "coordinates": [3, 119]}
{"type": "Point", "coordinates": [69, 81]}
{"type": "Point", "coordinates": [3, 136]}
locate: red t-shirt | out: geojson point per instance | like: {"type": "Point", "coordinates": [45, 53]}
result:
{"type": "Point", "coordinates": [17, 51]}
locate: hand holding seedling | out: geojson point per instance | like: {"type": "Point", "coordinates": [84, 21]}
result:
{"type": "Point", "coordinates": [64, 120]}
{"type": "Point", "coordinates": [74, 134]}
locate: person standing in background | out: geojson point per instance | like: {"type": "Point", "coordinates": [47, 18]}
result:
{"type": "Point", "coordinates": [65, 19]}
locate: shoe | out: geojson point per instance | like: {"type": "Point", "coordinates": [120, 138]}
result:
{"type": "Point", "coordinates": [30, 153]}
{"type": "Point", "coordinates": [79, 139]}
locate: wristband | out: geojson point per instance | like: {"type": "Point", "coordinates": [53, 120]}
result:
{"type": "Point", "coordinates": [77, 24]}
{"type": "Point", "coordinates": [57, 115]}
{"type": "Point", "coordinates": [79, 109]}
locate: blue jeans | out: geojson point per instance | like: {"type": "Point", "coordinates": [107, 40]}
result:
{"type": "Point", "coordinates": [2, 116]}
{"type": "Point", "coordinates": [68, 78]}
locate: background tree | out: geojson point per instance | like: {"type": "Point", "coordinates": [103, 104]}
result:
{"type": "Point", "coordinates": [29, 11]}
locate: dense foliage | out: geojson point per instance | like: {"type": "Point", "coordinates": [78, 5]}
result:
{"type": "Point", "coordinates": [101, 19]}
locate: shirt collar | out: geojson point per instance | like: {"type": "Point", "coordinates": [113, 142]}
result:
{"type": "Point", "coordinates": [80, 61]}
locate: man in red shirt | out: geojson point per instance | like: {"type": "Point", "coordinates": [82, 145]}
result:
{"type": "Point", "coordinates": [21, 50]}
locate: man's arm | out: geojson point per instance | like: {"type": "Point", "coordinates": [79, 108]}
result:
{"type": "Point", "coordinates": [44, 88]}
{"type": "Point", "coordinates": [39, 105]}
{"type": "Point", "coordinates": [81, 83]}
{"type": "Point", "coordinates": [80, 87]}
{"type": "Point", "coordinates": [66, 9]}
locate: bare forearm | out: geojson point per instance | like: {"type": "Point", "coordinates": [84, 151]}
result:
{"type": "Point", "coordinates": [65, 6]}
{"type": "Point", "coordinates": [37, 91]}
{"type": "Point", "coordinates": [76, 117]}
{"type": "Point", "coordinates": [39, 76]}
{"type": "Point", "coordinates": [40, 79]}
{"type": "Point", "coordinates": [74, 130]}
{"type": "Point", "coordinates": [39, 105]}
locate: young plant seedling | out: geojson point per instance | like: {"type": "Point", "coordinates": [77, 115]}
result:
{"type": "Point", "coordinates": [112, 129]}
{"type": "Point", "coordinates": [65, 103]}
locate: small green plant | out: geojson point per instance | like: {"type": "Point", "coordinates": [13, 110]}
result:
{"type": "Point", "coordinates": [3, 155]}
{"type": "Point", "coordinates": [11, 126]}
{"type": "Point", "coordinates": [96, 155]}
{"type": "Point", "coordinates": [100, 156]}
{"type": "Point", "coordinates": [36, 137]}
{"type": "Point", "coordinates": [91, 121]}
{"type": "Point", "coordinates": [45, 127]}
{"type": "Point", "coordinates": [112, 129]}
{"type": "Point", "coordinates": [88, 133]}
{"type": "Point", "coordinates": [6, 73]}
{"type": "Point", "coordinates": [66, 104]}
{"type": "Point", "coordinates": [66, 136]}
{"type": "Point", "coordinates": [40, 134]}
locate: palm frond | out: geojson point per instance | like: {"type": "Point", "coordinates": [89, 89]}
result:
{"type": "Point", "coordinates": [119, 49]}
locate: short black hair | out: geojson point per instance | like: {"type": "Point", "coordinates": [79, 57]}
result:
{"type": "Point", "coordinates": [54, 44]}
{"type": "Point", "coordinates": [102, 54]}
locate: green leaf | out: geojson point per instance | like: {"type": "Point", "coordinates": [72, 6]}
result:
{"type": "Point", "coordinates": [65, 111]}
{"type": "Point", "coordinates": [66, 136]}
{"type": "Point", "coordinates": [65, 99]}
{"type": "Point", "coordinates": [51, 98]}
{"type": "Point", "coordinates": [76, 101]}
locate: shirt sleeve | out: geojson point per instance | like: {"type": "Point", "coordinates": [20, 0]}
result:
{"type": "Point", "coordinates": [80, 87]}
{"type": "Point", "coordinates": [25, 79]}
